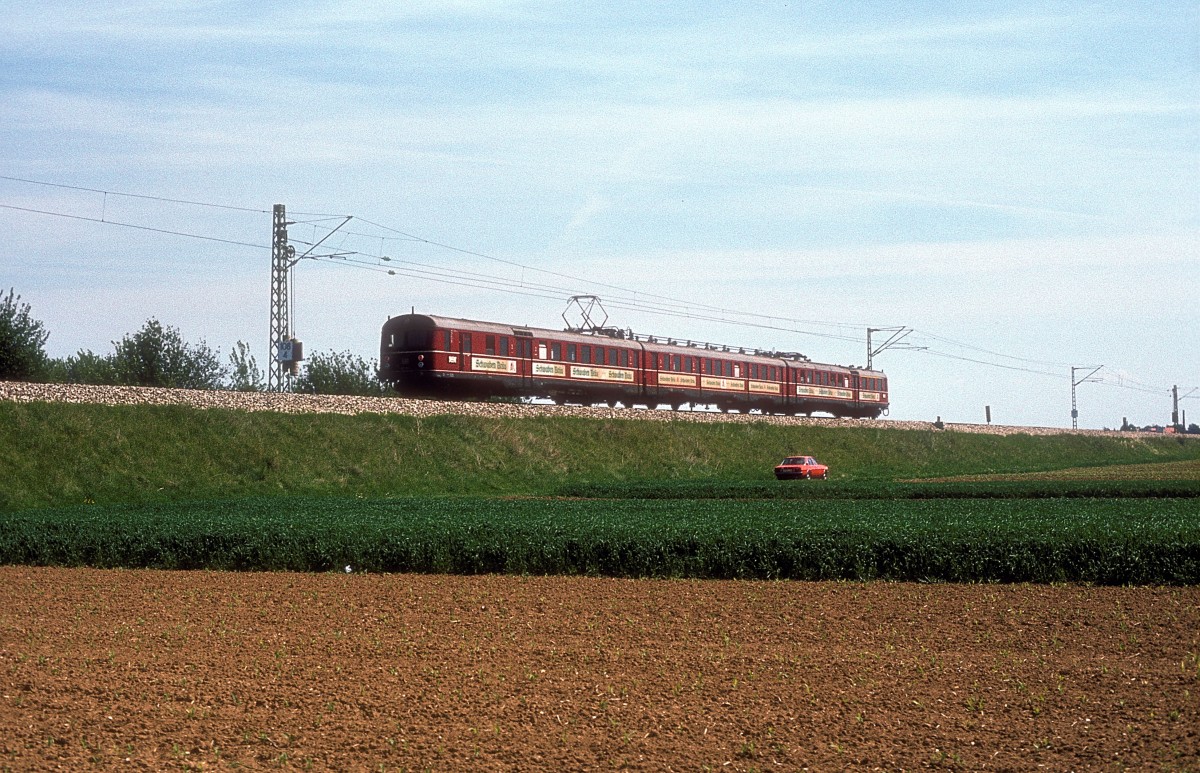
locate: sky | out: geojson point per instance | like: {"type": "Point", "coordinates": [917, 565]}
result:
{"type": "Point", "coordinates": [1017, 185]}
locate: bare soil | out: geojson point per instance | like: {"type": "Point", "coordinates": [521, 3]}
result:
{"type": "Point", "coordinates": [150, 670]}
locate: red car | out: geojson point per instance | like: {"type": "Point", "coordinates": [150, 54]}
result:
{"type": "Point", "coordinates": [801, 467]}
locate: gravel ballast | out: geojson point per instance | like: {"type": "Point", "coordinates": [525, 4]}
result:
{"type": "Point", "coordinates": [287, 402]}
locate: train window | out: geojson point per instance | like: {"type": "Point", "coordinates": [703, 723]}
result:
{"type": "Point", "coordinates": [446, 340]}
{"type": "Point", "coordinates": [571, 353]}
{"type": "Point", "coordinates": [612, 357]}
{"type": "Point", "coordinates": [556, 351]}
{"type": "Point", "coordinates": [392, 340]}
{"type": "Point", "coordinates": [676, 362]}
{"type": "Point", "coordinates": [466, 342]}
{"type": "Point", "coordinates": [623, 360]}
{"type": "Point", "coordinates": [585, 354]}
{"type": "Point", "coordinates": [489, 344]}
{"type": "Point", "coordinates": [504, 346]}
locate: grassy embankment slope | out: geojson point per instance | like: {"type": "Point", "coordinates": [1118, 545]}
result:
{"type": "Point", "coordinates": [175, 487]}
{"type": "Point", "coordinates": [54, 455]}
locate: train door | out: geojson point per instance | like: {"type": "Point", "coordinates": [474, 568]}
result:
{"type": "Point", "coordinates": [525, 359]}
{"type": "Point", "coordinates": [464, 351]}
{"type": "Point", "coordinates": [640, 358]}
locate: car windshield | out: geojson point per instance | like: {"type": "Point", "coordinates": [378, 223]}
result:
{"type": "Point", "coordinates": [793, 460]}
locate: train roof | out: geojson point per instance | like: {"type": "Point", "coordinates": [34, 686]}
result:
{"type": "Point", "coordinates": [617, 337]}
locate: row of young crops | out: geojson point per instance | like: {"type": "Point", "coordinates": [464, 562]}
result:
{"type": "Point", "coordinates": [1111, 540]}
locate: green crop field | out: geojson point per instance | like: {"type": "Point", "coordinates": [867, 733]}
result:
{"type": "Point", "coordinates": [175, 487]}
{"type": "Point", "coordinates": [1110, 541]}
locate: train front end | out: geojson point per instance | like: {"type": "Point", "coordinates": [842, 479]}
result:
{"type": "Point", "coordinates": [408, 354]}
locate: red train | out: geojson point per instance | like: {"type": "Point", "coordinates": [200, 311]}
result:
{"type": "Point", "coordinates": [430, 356]}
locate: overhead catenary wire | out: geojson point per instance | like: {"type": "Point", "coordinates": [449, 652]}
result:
{"type": "Point", "coordinates": [624, 298]}
{"type": "Point", "coordinates": [594, 283]}
{"type": "Point", "coordinates": [149, 197]}
{"type": "Point", "coordinates": [135, 226]}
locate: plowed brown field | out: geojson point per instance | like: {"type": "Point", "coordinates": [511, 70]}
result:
{"type": "Point", "coordinates": [149, 670]}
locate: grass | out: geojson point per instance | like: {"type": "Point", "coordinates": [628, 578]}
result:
{"type": "Point", "coordinates": [1188, 470]}
{"type": "Point", "coordinates": [176, 487]}
{"type": "Point", "coordinates": [62, 454]}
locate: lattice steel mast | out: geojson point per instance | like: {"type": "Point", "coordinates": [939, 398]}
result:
{"type": "Point", "coordinates": [283, 260]}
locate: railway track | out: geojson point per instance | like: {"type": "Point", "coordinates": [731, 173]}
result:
{"type": "Point", "coordinates": [287, 402]}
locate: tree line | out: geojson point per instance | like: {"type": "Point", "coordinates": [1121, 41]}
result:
{"type": "Point", "coordinates": [157, 355]}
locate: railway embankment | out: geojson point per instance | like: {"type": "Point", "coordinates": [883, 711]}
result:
{"type": "Point", "coordinates": [350, 405]}
{"type": "Point", "coordinates": [68, 445]}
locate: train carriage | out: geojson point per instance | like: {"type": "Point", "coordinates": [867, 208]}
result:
{"type": "Point", "coordinates": [433, 356]}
